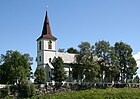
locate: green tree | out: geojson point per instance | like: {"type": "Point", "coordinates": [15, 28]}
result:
{"type": "Point", "coordinates": [77, 71]}
{"type": "Point", "coordinates": [26, 89]}
{"type": "Point", "coordinates": [61, 50]}
{"type": "Point", "coordinates": [40, 75]}
{"type": "Point", "coordinates": [59, 74]}
{"type": "Point", "coordinates": [127, 63]}
{"type": "Point", "coordinates": [112, 66]}
{"type": "Point", "coordinates": [102, 49]}
{"type": "Point", "coordinates": [72, 50]}
{"type": "Point", "coordinates": [14, 66]}
{"type": "Point", "coordinates": [30, 61]}
{"type": "Point", "coordinates": [91, 72]}
{"type": "Point", "coordinates": [136, 79]}
{"type": "Point", "coordinates": [86, 62]}
{"type": "Point", "coordinates": [131, 68]}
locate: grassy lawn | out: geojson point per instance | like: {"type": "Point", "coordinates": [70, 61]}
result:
{"type": "Point", "coordinates": [110, 93]}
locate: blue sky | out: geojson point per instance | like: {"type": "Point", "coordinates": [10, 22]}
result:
{"type": "Point", "coordinates": [72, 21]}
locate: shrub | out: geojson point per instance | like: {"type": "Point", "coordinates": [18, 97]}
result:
{"type": "Point", "coordinates": [25, 89]}
{"type": "Point", "coordinates": [5, 91]}
{"type": "Point", "coordinates": [32, 89]}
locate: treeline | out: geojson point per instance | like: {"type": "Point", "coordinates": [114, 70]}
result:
{"type": "Point", "coordinates": [102, 62]}
{"type": "Point", "coordinates": [99, 62]}
{"type": "Point", "coordinates": [15, 72]}
{"type": "Point", "coordinates": [14, 67]}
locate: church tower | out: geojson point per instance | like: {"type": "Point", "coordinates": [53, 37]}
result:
{"type": "Point", "coordinates": [46, 51]}
{"type": "Point", "coordinates": [46, 45]}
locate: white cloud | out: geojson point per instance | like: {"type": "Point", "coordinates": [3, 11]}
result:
{"type": "Point", "coordinates": [137, 58]}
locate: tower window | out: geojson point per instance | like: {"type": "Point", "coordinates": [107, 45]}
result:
{"type": "Point", "coordinates": [50, 44]}
{"type": "Point", "coordinates": [40, 58]}
{"type": "Point", "coordinates": [40, 45]}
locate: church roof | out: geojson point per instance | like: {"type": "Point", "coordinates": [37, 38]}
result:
{"type": "Point", "coordinates": [46, 32]}
{"type": "Point", "coordinates": [67, 57]}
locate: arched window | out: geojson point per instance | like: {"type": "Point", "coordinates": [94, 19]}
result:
{"type": "Point", "coordinates": [50, 44]}
{"type": "Point", "coordinates": [39, 58]}
{"type": "Point", "coordinates": [40, 45]}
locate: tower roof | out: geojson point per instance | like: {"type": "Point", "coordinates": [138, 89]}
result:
{"type": "Point", "coordinates": [46, 32]}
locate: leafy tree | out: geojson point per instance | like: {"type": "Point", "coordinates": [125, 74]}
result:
{"type": "Point", "coordinates": [81, 59]}
{"type": "Point", "coordinates": [131, 68]}
{"type": "Point", "coordinates": [127, 63]}
{"type": "Point", "coordinates": [77, 71]}
{"type": "Point", "coordinates": [109, 63]}
{"type": "Point", "coordinates": [136, 79]}
{"type": "Point", "coordinates": [86, 62]}
{"type": "Point", "coordinates": [112, 66]}
{"type": "Point", "coordinates": [59, 74]}
{"type": "Point", "coordinates": [30, 61]}
{"type": "Point", "coordinates": [72, 50]}
{"type": "Point", "coordinates": [40, 75]}
{"type": "Point", "coordinates": [4, 92]}
{"type": "Point", "coordinates": [61, 50]}
{"type": "Point", "coordinates": [14, 66]}
{"type": "Point", "coordinates": [102, 49]}
{"type": "Point", "coordinates": [91, 72]}
{"type": "Point", "coordinates": [26, 89]}
{"type": "Point", "coordinates": [84, 53]}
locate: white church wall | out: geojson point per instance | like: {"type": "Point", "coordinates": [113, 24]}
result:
{"type": "Point", "coordinates": [48, 55]}
{"type": "Point", "coordinates": [67, 71]}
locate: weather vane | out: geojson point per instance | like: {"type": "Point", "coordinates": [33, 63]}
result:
{"type": "Point", "coordinates": [46, 7]}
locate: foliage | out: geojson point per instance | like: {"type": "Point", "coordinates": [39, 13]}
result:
{"type": "Point", "coordinates": [26, 89]}
{"type": "Point", "coordinates": [86, 64]}
{"type": "Point", "coordinates": [136, 79]}
{"type": "Point", "coordinates": [59, 74]}
{"type": "Point", "coordinates": [14, 66]}
{"type": "Point", "coordinates": [110, 93]}
{"type": "Point", "coordinates": [102, 49]}
{"type": "Point", "coordinates": [72, 50]}
{"type": "Point", "coordinates": [5, 91]}
{"type": "Point", "coordinates": [61, 50]}
{"type": "Point", "coordinates": [40, 75]}
{"type": "Point", "coordinates": [32, 89]}
{"type": "Point", "coordinates": [127, 63]}
{"type": "Point", "coordinates": [77, 71]}
{"type": "Point", "coordinates": [104, 62]}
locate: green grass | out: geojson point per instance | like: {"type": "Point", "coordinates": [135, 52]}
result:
{"type": "Point", "coordinates": [109, 93]}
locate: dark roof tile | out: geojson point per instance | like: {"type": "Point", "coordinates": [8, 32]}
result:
{"type": "Point", "coordinates": [46, 32]}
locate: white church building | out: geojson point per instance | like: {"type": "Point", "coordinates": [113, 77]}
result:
{"type": "Point", "coordinates": [46, 51]}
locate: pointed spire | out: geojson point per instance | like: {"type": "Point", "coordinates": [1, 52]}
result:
{"type": "Point", "coordinates": [46, 32]}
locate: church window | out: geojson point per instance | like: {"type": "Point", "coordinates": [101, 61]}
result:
{"type": "Point", "coordinates": [40, 58]}
{"type": "Point", "coordinates": [50, 60]}
{"type": "Point", "coordinates": [50, 44]}
{"type": "Point", "coordinates": [40, 45]}
{"type": "Point", "coordinates": [49, 74]}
